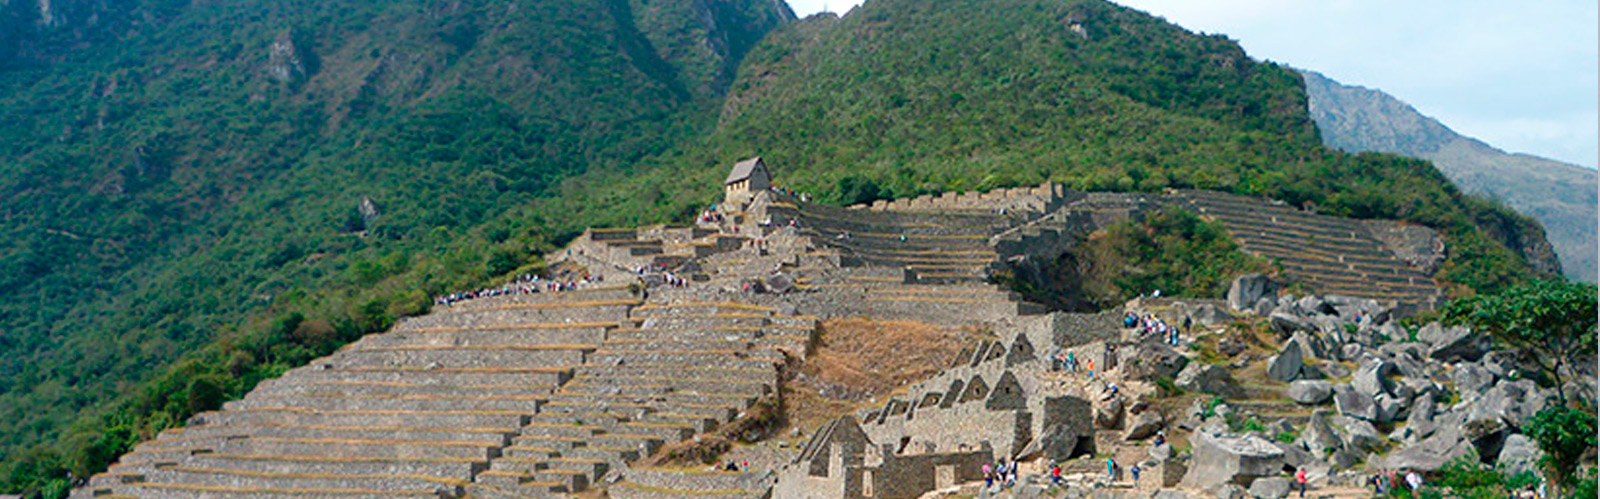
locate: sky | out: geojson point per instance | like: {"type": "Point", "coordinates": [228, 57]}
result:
{"type": "Point", "coordinates": [1521, 76]}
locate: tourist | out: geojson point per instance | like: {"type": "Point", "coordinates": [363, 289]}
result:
{"type": "Point", "coordinates": [1300, 477]}
{"type": "Point", "coordinates": [1091, 368]}
{"type": "Point", "coordinates": [1414, 480]}
{"type": "Point", "coordinates": [1055, 474]}
{"type": "Point", "coordinates": [1111, 469]}
{"type": "Point", "coordinates": [1135, 472]}
{"type": "Point", "coordinates": [1072, 362]}
{"type": "Point", "coordinates": [988, 476]}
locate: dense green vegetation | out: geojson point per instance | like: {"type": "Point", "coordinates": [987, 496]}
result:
{"type": "Point", "coordinates": [185, 189]}
{"type": "Point", "coordinates": [1172, 250]}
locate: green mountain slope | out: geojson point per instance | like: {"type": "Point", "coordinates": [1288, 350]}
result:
{"type": "Point", "coordinates": [1560, 196]}
{"type": "Point", "coordinates": [226, 190]}
{"type": "Point", "coordinates": [902, 98]}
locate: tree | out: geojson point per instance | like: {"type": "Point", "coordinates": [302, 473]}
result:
{"type": "Point", "coordinates": [1555, 320]}
{"type": "Point", "coordinates": [1564, 434]}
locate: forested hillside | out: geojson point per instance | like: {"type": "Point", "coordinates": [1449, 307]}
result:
{"type": "Point", "coordinates": [237, 187]}
{"type": "Point", "coordinates": [199, 196]}
{"type": "Point", "coordinates": [1561, 196]}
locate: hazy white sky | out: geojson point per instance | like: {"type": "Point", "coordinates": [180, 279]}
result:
{"type": "Point", "coordinates": [1522, 76]}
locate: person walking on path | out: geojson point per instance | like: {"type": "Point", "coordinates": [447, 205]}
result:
{"type": "Point", "coordinates": [1300, 477]}
{"type": "Point", "coordinates": [1111, 469]}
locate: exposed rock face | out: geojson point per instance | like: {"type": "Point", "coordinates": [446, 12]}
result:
{"type": "Point", "coordinates": [1310, 392]}
{"type": "Point", "coordinates": [1353, 403]}
{"type": "Point", "coordinates": [1270, 488]}
{"type": "Point", "coordinates": [1150, 361]}
{"type": "Point", "coordinates": [1372, 379]}
{"type": "Point", "coordinates": [1453, 343]}
{"type": "Point", "coordinates": [1519, 454]}
{"type": "Point", "coordinates": [1247, 289]}
{"type": "Point", "coordinates": [285, 62]}
{"type": "Point", "coordinates": [1145, 425]}
{"type": "Point", "coordinates": [1287, 366]}
{"type": "Point", "coordinates": [1319, 436]}
{"type": "Point", "coordinates": [1206, 378]}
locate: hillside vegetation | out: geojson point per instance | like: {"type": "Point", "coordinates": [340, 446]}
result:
{"type": "Point", "coordinates": [202, 195]}
{"type": "Point", "coordinates": [1561, 196]}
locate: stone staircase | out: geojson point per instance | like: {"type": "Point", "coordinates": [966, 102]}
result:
{"type": "Point", "coordinates": [511, 396]}
{"type": "Point", "coordinates": [671, 371]}
{"type": "Point", "coordinates": [1332, 255]}
{"type": "Point", "coordinates": [929, 247]}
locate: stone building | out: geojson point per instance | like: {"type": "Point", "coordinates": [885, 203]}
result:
{"type": "Point", "coordinates": [841, 461]}
{"type": "Point", "coordinates": [747, 178]}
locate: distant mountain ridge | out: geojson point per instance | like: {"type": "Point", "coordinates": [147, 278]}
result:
{"type": "Point", "coordinates": [1561, 196]}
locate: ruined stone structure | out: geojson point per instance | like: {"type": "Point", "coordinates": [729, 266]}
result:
{"type": "Point", "coordinates": [841, 461]}
{"type": "Point", "coordinates": [535, 395]}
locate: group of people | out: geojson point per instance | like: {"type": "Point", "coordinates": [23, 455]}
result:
{"type": "Point", "coordinates": [1005, 473]}
{"type": "Point", "coordinates": [1068, 361]}
{"type": "Point", "coordinates": [523, 285]}
{"type": "Point", "coordinates": [1383, 481]}
{"type": "Point", "coordinates": [710, 216]}
{"type": "Point", "coordinates": [1156, 326]}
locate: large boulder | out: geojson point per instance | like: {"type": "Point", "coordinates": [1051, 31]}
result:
{"type": "Point", "coordinates": [1206, 378]}
{"type": "Point", "coordinates": [1353, 403]}
{"type": "Point", "coordinates": [1310, 392]}
{"type": "Point", "coordinates": [1221, 458]}
{"type": "Point", "coordinates": [1511, 402]}
{"type": "Point", "coordinates": [1109, 415]}
{"type": "Point", "coordinates": [1151, 361]}
{"type": "Point", "coordinates": [1270, 488]}
{"type": "Point", "coordinates": [1207, 314]}
{"type": "Point", "coordinates": [1431, 453]}
{"type": "Point", "coordinates": [1358, 434]}
{"type": "Point", "coordinates": [1519, 454]}
{"type": "Point", "coordinates": [1287, 322]}
{"type": "Point", "coordinates": [1420, 422]}
{"type": "Point", "coordinates": [1247, 289]}
{"type": "Point", "coordinates": [1471, 380]}
{"type": "Point", "coordinates": [1450, 344]}
{"type": "Point", "coordinates": [1289, 363]}
{"type": "Point", "coordinates": [1319, 436]}
{"type": "Point", "coordinates": [1144, 425]}
{"type": "Point", "coordinates": [1372, 378]}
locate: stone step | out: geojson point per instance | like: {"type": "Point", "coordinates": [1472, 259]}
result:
{"type": "Point", "coordinates": [186, 491]}
{"type": "Point", "coordinates": [716, 412]}
{"type": "Point", "coordinates": [490, 436]}
{"type": "Point", "coordinates": [660, 385]}
{"type": "Point", "coordinates": [408, 419]}
{"type": "Point", "coordinates": [454, 468]}
{"type": "Point", "coordinates": [601, 292]}
{"type": "Point", "coordinates": [360, 448]}
{"type": "Point", "coordinates": [669, 343]}
{"type": "Point", "coordinates": [733, 400]}
{"type": "Point", "coordinates": [278, 387]}
{"type": "Point", "coordinates": [464, 356]}
{"type": "Point", "coordinates": [551, 480]}
{"type": "Point", "coordinates": [734, 359]}
{"type": "Point", "coordinates": [411, 403]}
{"type": "Point", "coordinates": [699, 309]}
{"type": "Point", "coordinates": [587, 311]}
{"type": "Point", "coordinates": [522, 375]}
{"type": "Point", "coordinates": [534, 334]}
{"type": "Point", "coordinates": [764, 373]}
{"type": "Point", "coordinates": [232, 478]}
{"type": "Point", "coordinates": [561, 430]}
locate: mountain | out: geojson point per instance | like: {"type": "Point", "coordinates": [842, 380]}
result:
{"type": "Point", "coordinates": [1560, 196]}
{"type": "Point", "coordinates": [202, 195]}
{"type": "Point", "coordinates": [182, 175]}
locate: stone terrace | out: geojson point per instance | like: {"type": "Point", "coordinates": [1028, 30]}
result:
{"type": "Point", "coordinates": [1333, 255]}
{"type": "Point", "coordinates": [511, 396]}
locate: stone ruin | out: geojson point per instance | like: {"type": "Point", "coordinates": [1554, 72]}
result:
{"type": "Point", "coordinates": [545, 394]}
